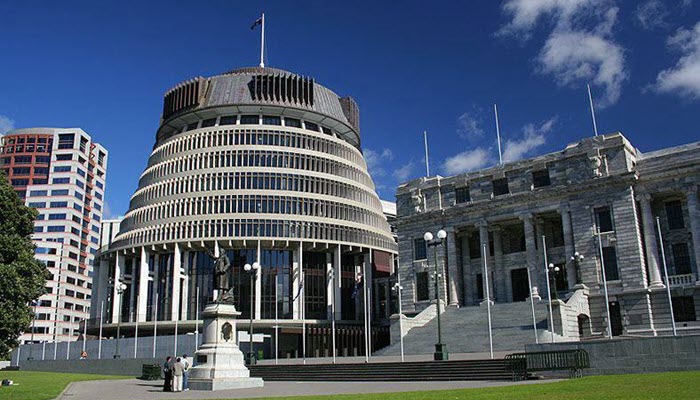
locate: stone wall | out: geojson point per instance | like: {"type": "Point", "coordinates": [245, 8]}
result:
{"type": "Point", "coordinates": [635, 355]}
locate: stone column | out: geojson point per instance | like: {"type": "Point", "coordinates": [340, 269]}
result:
{"type": "Point", "coordinates": [652, 250]}
{"type": "Point", "coordinates": [466, 271]}
{"type": "Point", "coordinates": [143, 286]}
{"type": "Point", "coordinates": [484, 240]}
{"type": "Point", "coordinates": [116, 297]}
{"type": "Point", "coordinates": [530, 249]}
{"type": "Point", "coordinates": [453, 268]}
{"type": "Point", "coordinates": [330, 278]}
{"type": "Point", "coordinates": [569, 248]}
{"type": "Point", "coordinates": [176, 278]}
{"type": "Point", "coordinates": [694, 215]}
{"type": "Point", "coordinates": [258, 284]}
{"type": "Point", "coordinates": [499, 275]}
{"type": "Point", "coordinates": [297, 272]}
{"type": "Point", "coordinates": [338, 282]}
{"type": "Point", "coordinates": [132, 290]}
{"type": "Point", "coordinates": [156, 286]}
{"type": "Point", "coordinates": [185, 294]}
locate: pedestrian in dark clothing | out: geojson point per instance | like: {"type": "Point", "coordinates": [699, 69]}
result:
{"type": "Point", "coordinates": [167, 375]}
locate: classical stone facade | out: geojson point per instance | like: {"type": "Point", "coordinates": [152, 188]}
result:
{"type": "Point", "coordinates": [559, 202]}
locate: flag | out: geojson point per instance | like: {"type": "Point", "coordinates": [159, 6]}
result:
{"type": "Point", "coordinates": [301, 286]}
{"type": "Point", "coordinates": [256, 23]}
{"type": "Point", "coordinates": [358, 285]}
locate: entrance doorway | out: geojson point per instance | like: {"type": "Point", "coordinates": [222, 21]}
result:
{"type": "Point", "coordinates": [518, 279]}
{"type": "Point", "coordinates": [615, 318]}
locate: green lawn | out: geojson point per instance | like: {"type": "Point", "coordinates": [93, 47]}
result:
{"type": "Point", "coordinates": [33, 385]}
{"type": "Point", "coordinates": [672, 385]}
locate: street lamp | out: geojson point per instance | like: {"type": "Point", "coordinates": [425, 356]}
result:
{"type": "Point", "coordinates": [549, 295]}
{"type": "Point", "coordinates": [440, 348]}
{"type": "Point", "coordinates": [577, 259]}
{"type": "Point", "coordinates": [121, 287]}
{"type": "Point", "coordinates": [553, 279]}
{"type": "Point", "coordinates": [398, 287]}
{"type": "Point", "coordinates": [251, 270]}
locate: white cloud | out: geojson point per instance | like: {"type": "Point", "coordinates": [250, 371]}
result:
{"type": "Point", "coordinates": [6, 124]}
{"type": "Point", "coordinates": [377, 161]}
{"type": "Point", "coordinates": [684, 77]}
{"type": "Point", "coordinates": [404, 172]}
{"type": "Point", "coordinates": [469, 125]}
{"type": "Point", "coordinates": [533, 137]}
{"type": "Point", "coordinates": [579, 48]}
{"type": "Point", "coordinates": [651, 14]}
{"type": "Point", "coordinates": [467, 161]}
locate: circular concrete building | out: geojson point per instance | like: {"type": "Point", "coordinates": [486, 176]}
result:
{"type": "Point", "coordinates": [264, 165]}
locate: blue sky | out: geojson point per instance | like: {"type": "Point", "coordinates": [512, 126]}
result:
{"type": "Point", "coordinates": [412, 66]}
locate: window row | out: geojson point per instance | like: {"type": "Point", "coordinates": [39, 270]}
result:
{"type": "Point", "coordinates": [283, 205]}
{"type": "Point", "coordinates": [298, 140]}
{"type": "Point", "coordinates": [238, 228]}
{"type": "Point", "coordinates": [254, 158]}
{"type": "Point", "coordinates": [253, 181]}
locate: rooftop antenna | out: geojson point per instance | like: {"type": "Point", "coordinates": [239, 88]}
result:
{"type": "Point", "coordinates": [498, 135]}
{"type": "Point", "coordinates": [590, 101]}
{"type": "Point", "coordinates": [261, 21]}
{"type": "Point", "coordinates": [427, 164]}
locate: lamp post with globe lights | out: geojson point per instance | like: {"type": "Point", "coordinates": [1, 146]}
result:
{"type": "Point", "coordinates": [398, 288]}
{"type": "Point", "coordinates": [121, 287]}
{"type": "Point", "coordinates": [252, 271]}
{"type": "Point", "coordinates": [577, 259]}
{"type": "Point", "coordinates": [440, 348]}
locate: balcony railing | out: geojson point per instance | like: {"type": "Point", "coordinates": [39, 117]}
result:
{"type": "Point", "coordinates": [681, 280]}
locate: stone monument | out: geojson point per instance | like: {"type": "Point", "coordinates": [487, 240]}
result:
{"type": "Point", "coordinates": [219, 364]}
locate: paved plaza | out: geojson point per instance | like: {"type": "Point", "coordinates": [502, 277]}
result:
{"type": "Point", "coordinates": [134, 389]}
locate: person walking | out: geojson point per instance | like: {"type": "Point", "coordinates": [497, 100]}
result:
{"type": "Point", "coordinates": [167, 375]}
{"type": "Point", "coordinates": [178, 370]}
{"type": "Point", "coordinates": [186, 374]}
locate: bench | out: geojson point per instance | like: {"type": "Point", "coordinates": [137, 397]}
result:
{"type": "Point", "coordinates": [574, 361]}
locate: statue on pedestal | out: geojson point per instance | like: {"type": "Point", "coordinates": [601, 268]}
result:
{"type": "Point", "coordinates": [222, 273]}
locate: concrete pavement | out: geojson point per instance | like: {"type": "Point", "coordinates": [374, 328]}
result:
{"type": "Point", "coordinates": [134, 389]}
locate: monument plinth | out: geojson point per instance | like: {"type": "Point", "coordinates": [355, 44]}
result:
{"type": "Point", "coordinates": [219, 362]}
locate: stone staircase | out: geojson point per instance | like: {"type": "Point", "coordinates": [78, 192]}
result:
{"type": "Point", "coordinates": [465, 330]}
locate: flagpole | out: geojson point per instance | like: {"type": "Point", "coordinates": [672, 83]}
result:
{"type": "Point", "coordinates": [155, 325]}
{"type": "Point", "coordinates": [99, 342]}
{"type": "Point", "coordinates": [605, 284]}
{"type": "Point", "coordinates": [262, 43]}
{"type": "Point", "coordinates": [488, 300]}
{"type": "Point", "coordinates": [136, 330]}
{"type": "Point", "coordinates": [668, 286]}
{"type": "Point", "coordinates": [590, 101]}
{"type": "Point", "coordinates": [498, 135]}
{"type": "Point", "coordinates": [427, 163]}
{"type": "Point", "coordinates": [277, 306]}
{"type": "Point", "coordinates": [196, 321]}
{"type": "Point", "coordinates": [365, 298]}
{"type": "Point", "coordinates": [333, 310]}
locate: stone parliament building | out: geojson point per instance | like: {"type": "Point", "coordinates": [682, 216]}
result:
{"type": "Point", "coordinates": [600, 184]}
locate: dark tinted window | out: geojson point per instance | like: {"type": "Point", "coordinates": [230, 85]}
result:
{"type": "Point", "coordinates": [250, 120]}
{"type": "Point", "coordinates": [684, 309]}
{"type": "Point", "coordinates": [540, 178]}
{"type": "Point", "coordinates": [610, 259]}
{"type": "Point", "coordinates": [271, 120]}
{"type": "Point", "coordinates": [500, 187]}
{"type": "Point", "coordinates": [462, 195]}
{"type": "Point", "coordinates": [604, 219]}
{"type": "Point", "coordinates": [420, 250]}
{"type": "Point", "coordinates": [422, 292]}
{"type": "Point", "coordinates": [227, 120]}
{"type": "Point", "coordinates": [674, 214]}
{"type": "Point", "coordinates": [681, 258]}
{"type": "Point", "coordinates": [311, 126]}
{"type": "Point", "coordinates": [293, 122]}
{"type": "Point", "coordinates": [208, 122]}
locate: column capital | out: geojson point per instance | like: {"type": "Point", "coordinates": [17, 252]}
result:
{"type": "Point", "coordinates": [563, 208]}
{"type": "Point", "coordinates": [690, 190]}
{"type": "Point", "coordinates": [643, 196]}
{"type": "Point", "coordinates": [481, 223]}
{"type": "Point", "coordinates": [526, 216]}
{"type": "Point", "coordinates": [496, 228]}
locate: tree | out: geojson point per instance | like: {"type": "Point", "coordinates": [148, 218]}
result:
{"type": "Point", "coordinates": [22, 277]}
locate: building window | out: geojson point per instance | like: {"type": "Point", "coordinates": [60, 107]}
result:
{"type": "Point", "coordinates": [462, 195]}
{"type": "Point", "coordinates": [422, 292]}
{"type": "Point", "coordinates": [64, 157]}
{"type": "Point", "coordinates": [610, 260]}
{"type": "Point", "coordinates": [228, 120]}
{"type": "Point", "coordinates": [250, 120]}
{"type": "Point", "coordinates": [681, 258]}
{"type": "Point", "coordinates": [500, 186]}
{"type": "Point", "coordinates": [293, 122]}
{"type": "Point", "coordinates": [311, 126]}
{"type": "Point", "coordinates": [683, 309]}
{"type": "Point", "coordinates": [674, 215]}
{"type": "Point", "coordinates": [603, 218]}
{"type": "Point", "coordinates": [271, 120]}
{"type": "Point", "coordinates": [420, 249]}
{"type": "Point", "coordinates": [541, 178]}
{"type": "Point", "coordinates": [208, 122]}
{"type": "Point", "coordinates": [59, 181]}
{"type": "Point", "coordinates": [65, 140]}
